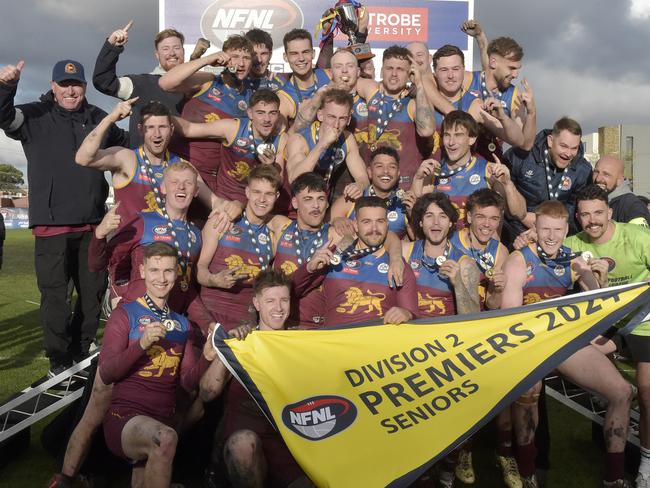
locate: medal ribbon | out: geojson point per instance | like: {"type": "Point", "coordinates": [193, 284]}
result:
{"type": "Point", "coordinates": [265, 255]}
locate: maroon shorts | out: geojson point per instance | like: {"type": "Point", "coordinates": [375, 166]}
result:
{"type": "Point", "coordinates": [114, 423]}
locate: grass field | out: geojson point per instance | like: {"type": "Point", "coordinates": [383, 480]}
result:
{"type": "Point", "coordinates": [576, 462]}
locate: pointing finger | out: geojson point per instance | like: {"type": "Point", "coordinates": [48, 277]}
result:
{"type": "Point", "coordinates": [128, 26]}
{"type": "Point", "coordinates": [20, 65]}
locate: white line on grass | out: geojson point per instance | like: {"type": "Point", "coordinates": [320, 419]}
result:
{"type": "Point", "coordinates": [33, 303]}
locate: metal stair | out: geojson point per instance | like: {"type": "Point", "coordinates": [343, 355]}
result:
{"type": "Point", "coordinates": [43, 399]}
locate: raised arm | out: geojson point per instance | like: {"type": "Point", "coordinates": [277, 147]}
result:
{"type": "Point", "coordinates": [11, 118]}
{"type": "Point", "coordinates": [113, 159]}
{"type": "Point", "coordinates": [105, 78]}
{"type": "Point", "coordinates": [473, 29]}
{"type": "Point", "coordinates": [425, 120]}
{"type": "Point", "coordinates": [224, 129]}
{"type": "Point", "coordinates": [185, 77]}
{"type": "Point", "coordinates": [503, 184]}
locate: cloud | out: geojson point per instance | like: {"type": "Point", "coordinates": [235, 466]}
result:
{"type": "Point", "coordinates": [640, 9]}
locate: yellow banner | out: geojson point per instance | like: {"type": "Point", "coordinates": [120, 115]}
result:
{"type": "Point", "coordinates": [376, 405]}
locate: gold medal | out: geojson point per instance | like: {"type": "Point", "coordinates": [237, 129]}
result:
{"type": "Point", "coordinates": [489, 273]}
{"type": "Point", "coordinates": [440, 260]}
{"type": "Point", "coordinates": [169, 324]}
{"type": "Point", "coordinates": [587, 256]}
{"type": "Point", "coordinates": [184, 286]}
{"type": "Point", "coordinates": [400, 193]}
{"type": "Point", "coordinates": [373, 147]}
{"type": "Point", "coordinates": [262, 148]}
{"type": "Point", "coordinates": [335, 260]}
{"type": "Point", "coordinates": [492, 147]}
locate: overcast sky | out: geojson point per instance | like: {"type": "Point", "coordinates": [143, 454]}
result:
{"type": "Point", "coordinates": [586, 58]}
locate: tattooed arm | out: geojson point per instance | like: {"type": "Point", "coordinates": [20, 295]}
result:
{"type": "Point", "coordinates": [466, 288]}
{"type": "Point", "coordinates": [425, 121]}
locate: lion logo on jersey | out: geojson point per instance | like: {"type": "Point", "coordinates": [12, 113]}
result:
{"type": "Point", "coordinates": [150, 201]}
{"type": "Point", "coordinates": [161, 360]}
{"type": "Point", "coordinates": [288, 267]}
{"type": "Point", "coordinates": [388, 137]}
{"type": "Point", "coordinates": [241, 171]}
{"type": "Point", "coordinates": [234, 261]}
{"type": "Point", "coordinates": [533, 297]}
{"type": "Point", "coordinates": [354, 298]}
{"type": "Point", "coordinates": [436, 304]}
{"type": "Point", "coordinates": [211, 117]}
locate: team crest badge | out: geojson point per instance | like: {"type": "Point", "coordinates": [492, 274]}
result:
{"type": "Point", "coordinates": [70, 68]}
{"type": "Point", "coordinates": [392, 216]}
{"type": "Point", "coordinates": [263, 238]}
{"type": "Point", "coordinates": [382, 268]}
{"type": "Point", "coordinates": [558, 270]}
{"type": "Point", "coordinates": [242, 105]}
{"type": "Point", "coordinates": [362, 109]}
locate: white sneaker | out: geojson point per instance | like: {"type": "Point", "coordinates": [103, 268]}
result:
{"type": "Point", "coordinates": [642, 481]}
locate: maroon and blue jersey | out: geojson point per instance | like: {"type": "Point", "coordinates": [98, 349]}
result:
{"type": "Point", "coordinates": [485, 258]}
{"type": "Point", "coordinates": [359, 120]}
{"type": "Point", "coordinates": [460, 185]}
{"type": "Point", "coordinates": [464, 102]}
{"type": "Point", "coordinates": [306, 311]}
{"type": "Point", "coordinates": [508, 98]}
{"type": "Point", "coordinates": [397, 214]}
{"type": "Point", "coordinates": [137, 194]}
{"type": "Point", "coordinates": [435, 293]}
{"type": "Point", "coordinates": [145, 380]}
{"type": "Point", "coordinates": [333, 158]}
{"type": "Point", "coordinates": [400, 133]}
{"type": "Point", "coordinates": [237, 250]}
{"type": "Point", "coordinates": [218, 101]}
{"type": "Point", "coordinates": [545, 280]}
{"type": "Point", "coordinates": [357, 290]}
{"type": "Point", "coordinates": [273, 83]}
{"type": "Point", "coordinates": [295, 96]}
{"type": "Point", "coordinates": [238, 158]}
{"type": "Point", "coordinates": [124, 254]}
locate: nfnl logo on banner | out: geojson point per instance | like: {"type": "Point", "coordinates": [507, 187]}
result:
{"type": "Point", "coordinates": [436, 22]}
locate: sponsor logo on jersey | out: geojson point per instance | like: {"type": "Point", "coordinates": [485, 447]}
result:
{"type": "Point", "coordinates": [146, 320]}
{"type": "Point", "coordinates": [529, 173]}
{"type": "Point", "coordinates": [241, 141]}
{"type": "Point", "coordinates": [559, 270]}
{"type": "Point", "coordinates": [319, 417]}
{"type": "Point", "coordinates": [362, 109]}
{"type": "Point", "coordinates": [263, 238]}
{"type": "Point", "coordinates": [475, 179]}
{"type": "Point", "coordinates": [382, 267]}
{"type": "Point", "coordinates": [392, 216]}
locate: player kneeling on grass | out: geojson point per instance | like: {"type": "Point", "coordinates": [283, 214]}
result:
{"type": "Point", "coordinates": [254, 452]}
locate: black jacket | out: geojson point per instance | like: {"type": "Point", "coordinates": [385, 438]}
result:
{"type": "Point", "coordinates": [145, 86]}
{"type": "Point", "coordinates": [60, 191]}
{"type": "Point", "coordinates": [626, 205]}
{"type": "Point", "coordinates": [528, 173]}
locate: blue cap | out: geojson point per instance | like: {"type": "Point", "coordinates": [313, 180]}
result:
{"type": "Point", "coordinates": [68, 70]}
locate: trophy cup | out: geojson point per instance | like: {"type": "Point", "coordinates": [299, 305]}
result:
{"type": "Point", "coordinates": [346, 14]}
